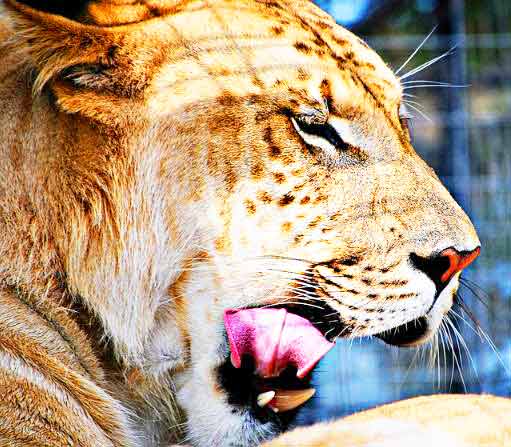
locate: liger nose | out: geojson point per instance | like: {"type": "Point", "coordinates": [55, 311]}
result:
{"type": "Point", "coordinates": [443, 266]}
{"type": "Point", "coordinates": [458, 260]}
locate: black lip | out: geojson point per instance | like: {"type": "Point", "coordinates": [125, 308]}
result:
{"type": "Point", "coordinates": [243, 386]}
{"type": "Point", "coordinates": [406, 334]}
{"type": "Point", "coordinates": [323, 317]}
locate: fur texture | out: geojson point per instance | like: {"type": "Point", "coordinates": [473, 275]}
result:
{"type": "Point", "coordinates": [456, 421]}
{"type": "Point", "coordinates": [152, 175]}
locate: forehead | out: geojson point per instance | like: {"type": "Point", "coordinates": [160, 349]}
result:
{"type": "Point", "coordinates": [249, 47]}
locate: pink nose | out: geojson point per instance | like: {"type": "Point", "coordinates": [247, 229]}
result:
{"type": "Point", "coordinates": [458, 260]}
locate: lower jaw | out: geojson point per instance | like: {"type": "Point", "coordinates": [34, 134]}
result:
{"type": "Point", "coordinates": [243, 389]}
{"type": "Point", "coordinates": [413, 333]}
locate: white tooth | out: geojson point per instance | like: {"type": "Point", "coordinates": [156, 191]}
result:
{"type": "Point", "coordinates": [286, 400]}
{"type": "Point", "coordinates": [265, 398]}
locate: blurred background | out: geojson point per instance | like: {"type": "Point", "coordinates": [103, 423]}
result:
{"type": "Point", "coordinates": [464, 133]}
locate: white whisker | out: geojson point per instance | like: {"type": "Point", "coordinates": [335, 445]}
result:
{"type": "Point", "coordinates": [410, 87]}
{"type": "Point", "coordinates": [484, 337]}
{"type": "Point", "coordinates": [442, 346]}
{"type": "Point", "coordinates": [428, 63]}
{"type": "Point", "coordinates": [464, 345]}
{"type": "Point", "coordinates": [458, 361]}
{"type": "Point", "coordinates": [416, 81]}
{"type": "Point", "coordinates": [416, 50]}
{"type": "Point", "coordinates": [419, 111]}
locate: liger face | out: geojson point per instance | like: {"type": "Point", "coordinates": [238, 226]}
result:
{"type": "Point", "coordinates": [313, 217]}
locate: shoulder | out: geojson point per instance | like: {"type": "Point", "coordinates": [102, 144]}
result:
{"type": "Point", "coordinates": [51, 393]}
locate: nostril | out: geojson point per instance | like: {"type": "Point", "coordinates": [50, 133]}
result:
{"type": "Point", "coordinates": [444, 265]}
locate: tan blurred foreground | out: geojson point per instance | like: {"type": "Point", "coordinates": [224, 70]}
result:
{"type": "Point", "coordinates": [433, 421]}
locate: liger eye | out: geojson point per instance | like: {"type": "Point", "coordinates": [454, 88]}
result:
{"type": "Point", "coordinates": [320, 135]}
{"type": "Point", "coordinates": [405, 117]}
{"type": "Point", "coordinates": [405, 123]}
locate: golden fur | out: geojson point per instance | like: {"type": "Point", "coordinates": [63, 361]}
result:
{"type": "Point", "coordinates": [151, 176]}
{"type": "Point", "coordinates": [453, 420]}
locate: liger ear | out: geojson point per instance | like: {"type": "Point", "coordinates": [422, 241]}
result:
{"type": "Point", "coordinates": [82, 42]}
{"type": "Point", "coordinates": [49, 40]}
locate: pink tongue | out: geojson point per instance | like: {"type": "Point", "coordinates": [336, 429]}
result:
{"type": "Point", "coordinates": [275, 339]}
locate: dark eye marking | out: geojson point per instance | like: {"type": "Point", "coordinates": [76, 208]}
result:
{"type": "Point", "coordinates": [325, 131]}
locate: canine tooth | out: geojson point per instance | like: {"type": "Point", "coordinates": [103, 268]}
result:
{"type": "Point", "coordinates": [286, 400]}
{"type": "Point", "coordinates": [264, 398]}
{"type": "Point", "coordinates": [233, 361]}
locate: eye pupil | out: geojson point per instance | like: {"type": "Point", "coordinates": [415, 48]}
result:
{"type": "Point", "coordinates": [325, 131]}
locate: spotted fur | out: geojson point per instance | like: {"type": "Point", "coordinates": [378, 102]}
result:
{"type": "Point", "coordinates": [152, 175]}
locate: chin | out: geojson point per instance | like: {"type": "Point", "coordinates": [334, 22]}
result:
{"type": "Point", "coordinates": [252, 386]}
{"type": "Point", "coordinates": [421, 330]}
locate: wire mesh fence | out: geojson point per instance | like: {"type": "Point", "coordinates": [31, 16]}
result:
{"type": "Point", "coordinates": [463, 131]}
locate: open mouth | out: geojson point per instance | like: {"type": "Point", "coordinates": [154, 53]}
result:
{"type": "Point", "coordinates": [274, 350]}
{"type": "Point", "coordinates": [272, 353]}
